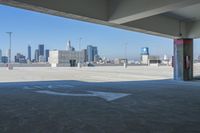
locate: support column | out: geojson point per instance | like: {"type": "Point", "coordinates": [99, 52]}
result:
{"type": "Point", "coordinates": [183, 59]}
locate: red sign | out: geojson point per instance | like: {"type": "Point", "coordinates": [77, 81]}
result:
{"type": "Point", "coordinates": [183, 41]}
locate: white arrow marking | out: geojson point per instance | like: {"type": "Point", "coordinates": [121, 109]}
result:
{"type": "Point", "coordinates": [38, 87]}
{"type": "Point", "coordinates": [43, 87]}
{"type": "Point", "coordinates": [108, 96]}
{"type": "Point", "coordinates": [27, 88]}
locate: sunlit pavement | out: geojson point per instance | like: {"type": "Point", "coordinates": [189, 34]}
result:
{"type": "Point", "coordinates": [88, 74]}
{"type": "Point", "coordinates": [89, 103]}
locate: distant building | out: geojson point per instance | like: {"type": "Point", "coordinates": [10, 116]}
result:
{"type": "Point", "coordinates": [85, 55]}
{"type": "Point", "coordinates": [66, 58]}
{"type": "Point", "coordinates": [166, 60]}
{"type": "Point", "coordinates": [91, 52]}
{"type": "Point", "coordinates": [29, 53]}
{"type": "Point", "coordinates": [46, 55]}
{"type": "Point", "coordinates": [19, 58]}
{"type": "Point", "coordinates": [144, 59]}
{"type": "Point", "coordinates": [36, 55]}
{"type": "Point", "coordinates": [4, 59]}
{"type": "Point", "coordinates": [96, 58]}
{"type": "Point", "coordinates": [41, 49]}
{"type": "Point", "coordinates": [42, 59]}
{"type": "Point", "coordinates": [120, 61]}
{"type": "Point", "coordinates": [154, 60]}
{"type": "Point", "coordinates": [145, 51]}
{"type": "Point", "coordinates": [0, 56]}
{"type": "Point", "coordinates": [69, 47]}
{"type": "Point", "coordinates": [144, 55]}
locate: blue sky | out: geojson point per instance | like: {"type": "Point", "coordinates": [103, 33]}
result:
{"type": "Point", "coordinates": [36, 28]}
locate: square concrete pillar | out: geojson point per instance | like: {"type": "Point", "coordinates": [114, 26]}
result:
{"type": "Point", "coordinates": [183, 59]}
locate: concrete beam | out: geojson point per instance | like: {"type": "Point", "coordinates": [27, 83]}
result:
{"type": "Point", "coordinates": [78, 9]}
{"type": "Point", "coordinates": [193, 29]}
{"type": "Point", "coordinates": [160, 25]}
{"type": "Point", "coordinates": [123, 11]}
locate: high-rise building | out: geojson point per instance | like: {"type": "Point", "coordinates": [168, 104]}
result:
{"type": "Point", "coordinates": [46, 54]}
{"type": "Point", "coordinates": [29, 52]}
{"type": "Point", "coordinates": [91, 52]}
{"type": "Point", "coordinates": [69, 47]}
{"type": "Point", "coordinates": [19, 58]}
{"type": "Point", "coordinates": [36, 55]}
{"type": "Point", "coordinates": [0, 56]}
{"type": "Point", "coordinates": [41, 49]}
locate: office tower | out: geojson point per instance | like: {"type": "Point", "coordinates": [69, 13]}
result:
{"type": "Point", "coordinates": [0, 56]}
{"type": "Point", "coordinates": [29, 52]}
{"type": "Point", "coordinates": [46, 54]}
{"type": "Point", "coordinates": [41, 49]}
{"type": "Point", "coordinates": [36, 55]}
{"type": "Point", "coordinates": [69, 47]}
{"type": "Point", "coordinates": [91, 52]}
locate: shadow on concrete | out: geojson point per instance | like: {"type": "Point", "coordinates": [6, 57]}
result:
{"type": "Point", "coordinates": [165, 106]}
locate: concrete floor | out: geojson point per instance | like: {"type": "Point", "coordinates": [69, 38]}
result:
{"type": "Point", "coordinates": [99, 100]}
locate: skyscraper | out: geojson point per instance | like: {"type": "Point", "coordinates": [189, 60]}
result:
{"type": "Point", "coordinates": [47, 54]}
{"type": "Point", "coordinates": [29, 52]}
{"type": "Point", "coordinates": [69, 47]}
{"type": "Point", "coordinates": [0, 56]}
{"type": "Point", "coordinates": [91, 53]}
{"type": "Point", "coordinates": [41, 49]}
{"type": "Point", "coordinates": [36, 55]}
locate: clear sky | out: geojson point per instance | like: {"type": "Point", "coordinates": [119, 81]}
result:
{"type": "Point", "coordinates": [36, 28]}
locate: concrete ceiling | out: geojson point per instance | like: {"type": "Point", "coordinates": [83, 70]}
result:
{"type": "Point", "coordinates": [190, 13]}
{"type": "Point", "coordinates": [168, 18]}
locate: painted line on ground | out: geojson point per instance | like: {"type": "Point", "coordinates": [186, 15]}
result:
{"type": "Point", "coordinates": [108, 96]}
{"type": "Point", "coordinates": [45, 87]}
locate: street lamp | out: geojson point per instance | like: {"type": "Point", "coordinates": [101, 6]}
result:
{"type": "Point", "coordinates": [9, 51]}
{"type": "Point", "coordinates": [79, 62]}
{"type": "Point", "coordinates": [125, 55]}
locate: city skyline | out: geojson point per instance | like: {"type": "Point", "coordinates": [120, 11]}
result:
{"type": "Point", "coordinates": [31, 28]}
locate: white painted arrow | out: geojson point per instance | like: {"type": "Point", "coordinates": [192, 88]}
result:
{"type": "Point", "coordinates": [108, 96]}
